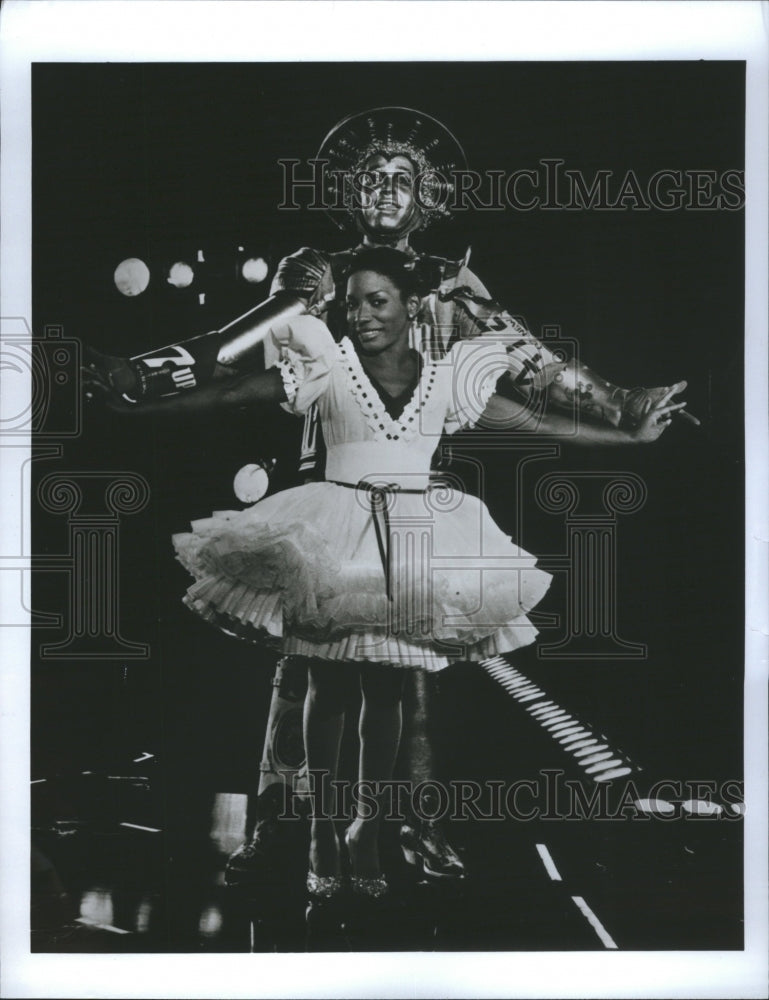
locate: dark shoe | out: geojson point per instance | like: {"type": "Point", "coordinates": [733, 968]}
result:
{"type": "Point", "coordinates": [424, 845]}
{"type": "Point", "coordinates": [370, 917]}
{"type": "Point", "coordinates": [271, 842]}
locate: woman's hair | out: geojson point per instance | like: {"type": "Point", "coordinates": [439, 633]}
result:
{"type": "Point", "coordinates": [392, 264]}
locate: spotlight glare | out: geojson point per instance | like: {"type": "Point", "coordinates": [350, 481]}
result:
{"type": "Point", "coordinates": [255, 269]}
{"type": "Point", "coordinates": [131, 276]}
{"type": "Point", "coordinates": [180, 275]}
{"type": "Point", "coordinates": [251, 483]}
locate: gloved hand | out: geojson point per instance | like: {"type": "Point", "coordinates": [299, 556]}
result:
{"type": "Point", "coordinates": [638, 402]}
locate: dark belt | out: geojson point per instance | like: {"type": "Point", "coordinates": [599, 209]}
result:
{"type": "Point", "coordinates": [377, 497]}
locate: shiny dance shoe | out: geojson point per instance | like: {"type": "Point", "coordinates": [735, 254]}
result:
{"type": "Point", "coordinates": [424, 845]}
{"type": "Point", "coordinates": [375, 888]}
{"type": "Point", "coordinates": [372, 913]}
{"type": "Point", "coordinates": [327, 897]}
{"type": "Point", "coordinates": [325, 887]}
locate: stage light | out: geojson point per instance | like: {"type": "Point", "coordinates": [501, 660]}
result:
{"type": "Point", "coordinates": [701, 807]}
{"type": "Point", "coordinates": [131, 276]}
{"type": "Point", "coordinates": [252, 481]}
{"type": "Point", "coordinates": [654, 807]}
{"type": "Point", "coordinates": [255, 270]}
{"type": "Point", "coordinates": [180, 275]}
{"type": "Point", "coordinates": [96, 908]}
{"type": "Point", "coordinates": [211, 922]}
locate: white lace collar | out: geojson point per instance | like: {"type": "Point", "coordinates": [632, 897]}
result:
{"type": "Point", "coordinates": [385, 427]}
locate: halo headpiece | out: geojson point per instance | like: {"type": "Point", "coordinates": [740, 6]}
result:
{"type": "Point", "coordinates": [391, 131]}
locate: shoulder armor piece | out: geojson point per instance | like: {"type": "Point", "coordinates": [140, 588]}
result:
{"type": "Point", "coordinates": [433, 271]}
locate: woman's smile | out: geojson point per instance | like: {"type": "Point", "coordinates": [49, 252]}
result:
{"type": "Point", "coordinates": [376, 312]}
{"type": "Point", "coordinates": [369, 333]}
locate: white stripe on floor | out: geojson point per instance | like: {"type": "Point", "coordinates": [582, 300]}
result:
{"type": "Point", "coordinates": [102, 927]}
{"type": "Point", "coordinates": [595, 923]}
{"type": "Point", "coordinates": [548, 862]}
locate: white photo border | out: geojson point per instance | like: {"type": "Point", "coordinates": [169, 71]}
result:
{"type": "Point", "coordinates": [317, 30]}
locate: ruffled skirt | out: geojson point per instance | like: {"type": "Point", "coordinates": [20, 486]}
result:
{"type": "Point", "coordinates": [316, 572]}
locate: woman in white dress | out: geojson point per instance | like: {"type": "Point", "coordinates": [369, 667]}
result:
{"type": "Point", "coordinates": [376, 569]}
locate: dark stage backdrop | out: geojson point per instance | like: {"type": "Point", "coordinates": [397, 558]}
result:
{"type": "Point", "coordinates": [161, 161]}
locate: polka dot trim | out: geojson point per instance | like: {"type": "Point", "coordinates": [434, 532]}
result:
{"type": "Point", "coordinates": [383, 426]}
{"type": "Point", "coordinates": [290, 381]}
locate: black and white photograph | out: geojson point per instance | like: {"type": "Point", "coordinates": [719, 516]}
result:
{"type": "Point", "coordinates": [382, 487]}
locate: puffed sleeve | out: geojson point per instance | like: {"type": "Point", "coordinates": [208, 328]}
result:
{"type": "Point", "coordinates": [305, 353]}
{"type": "Point", "coordinates": [472, 369]}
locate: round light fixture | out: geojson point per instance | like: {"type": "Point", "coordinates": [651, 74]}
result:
{"type": "Point", "coordinates": [251, 483]}
{"type": "Point", "coordinates": [131, 276]}
{"type": "Point", "coordinates": [255, 270]}
{"type": "Point", "coordinates": [180, 275]}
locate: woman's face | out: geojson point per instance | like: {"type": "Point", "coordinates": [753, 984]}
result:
{"type": "Point", "coordinates": [377, 315]}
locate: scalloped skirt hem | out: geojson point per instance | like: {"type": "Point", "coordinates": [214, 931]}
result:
{"type": "Point", "coordinates": [365, 647]}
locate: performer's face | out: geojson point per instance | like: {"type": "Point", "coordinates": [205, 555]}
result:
{"type": "Point", "coordinates": [386, 195]}
{"type": "Point", "coordinates": [378, 316]}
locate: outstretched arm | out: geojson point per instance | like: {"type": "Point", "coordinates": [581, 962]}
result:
{"type": "Point", "coordinates": [536, 367]}
{"type": "Point", "coordinates": [247, 390]}
{"type": "Point", "coordinates": [503, 413]}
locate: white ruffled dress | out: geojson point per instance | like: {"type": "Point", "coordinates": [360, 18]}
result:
{"type": "Point", "coordinates": [378, 563]}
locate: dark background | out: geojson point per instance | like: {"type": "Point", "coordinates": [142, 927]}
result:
{"type": "Point", "coordinates": [158, 161]}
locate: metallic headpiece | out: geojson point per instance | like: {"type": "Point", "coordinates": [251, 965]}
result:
{"type": "Point", "coordinates": [392, 131]}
